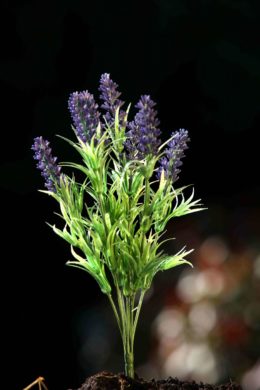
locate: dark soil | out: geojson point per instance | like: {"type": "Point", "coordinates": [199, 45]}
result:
{"type": "Point", "coordinates": [108, 381]}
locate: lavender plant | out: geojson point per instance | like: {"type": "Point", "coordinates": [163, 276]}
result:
{"type": "Point", "coordinates": [119, 231]}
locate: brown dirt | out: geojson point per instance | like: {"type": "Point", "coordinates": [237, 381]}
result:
{"type": "Point", "coordinates": [108, 381]}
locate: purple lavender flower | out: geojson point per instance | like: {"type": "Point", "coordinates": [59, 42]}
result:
{"type": "Point", "coordinates": [47, 163]}
{"type": "Point", "coordinates": [173, 155]}
{"type": "Point", "coordinates": [84, 113]}
{"type": "Point", "coordinates": [110, 95]}
{"type": "Point", "coordinates": [143, 135]}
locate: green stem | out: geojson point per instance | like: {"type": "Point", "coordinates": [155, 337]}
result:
{"type": "Point", "coordinates": [132, 320]}
{"type": "Point", "coordinates": [127, 317]}
{"type": "Point", "coordinates": [115, 313]}
{"type": "Point", "coordinates": [125, 308]}
{"type": "Point", "coordinates": [138, 311]}
{"type": "Point", "coordinates": [121, 306]}
{"type": "Point", "coordinates": [129, 353]}
{"type": "Point", "coordinates": [146, 196]}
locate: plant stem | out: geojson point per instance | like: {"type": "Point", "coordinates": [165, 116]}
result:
{"type": "Point", "coordinates": [128, 350]}
{"type": "Point", "coordinates": [138, 311]}
{"type": "Point", "coordinates": [115, 313]}
{"type": "Point", "coordinates": [127, 317]}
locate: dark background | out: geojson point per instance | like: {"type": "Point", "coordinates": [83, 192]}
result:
{"type": "Point", "coordinates": [199, 60]}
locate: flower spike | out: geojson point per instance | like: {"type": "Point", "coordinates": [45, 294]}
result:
{"type": "Point", "coordinates": [47, 163]}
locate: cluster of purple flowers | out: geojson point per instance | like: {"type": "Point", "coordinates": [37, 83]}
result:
{"type": "Point", "coordinates": [46, 163]}
{"type": "Point", "coordinates": [110, 97]}
{"type": "Point", "coordinates": [84, 113]}
{"type": "Point", "coordinates": [171, 162]}
{"type": "Point", "coordinates": [142, 135]}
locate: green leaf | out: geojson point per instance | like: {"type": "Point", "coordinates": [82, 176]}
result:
{"type": "Point", "coordinates": [174, 261]}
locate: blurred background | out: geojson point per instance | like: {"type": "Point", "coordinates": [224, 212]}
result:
{"type": "Point", "coordinates": [200, 61]}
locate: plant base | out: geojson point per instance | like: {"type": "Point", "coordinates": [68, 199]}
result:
{"type": "Point", "coordinates": [108, 381]}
